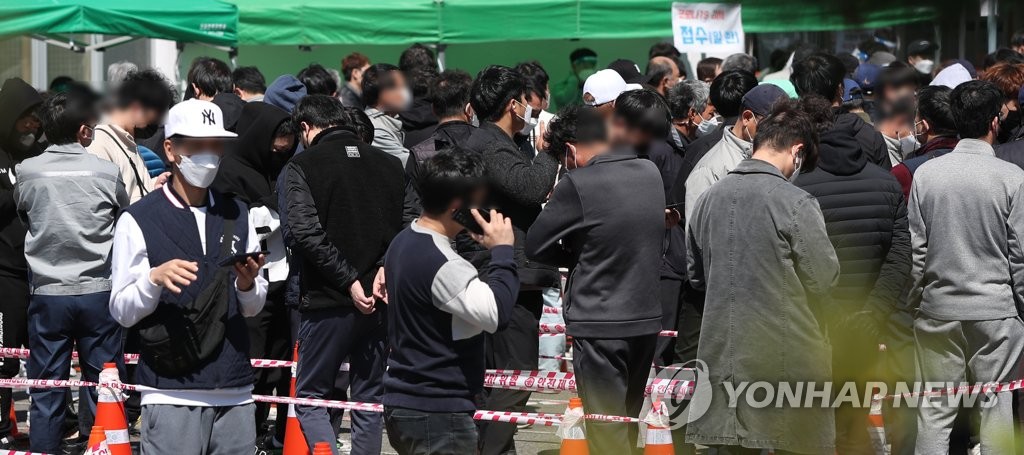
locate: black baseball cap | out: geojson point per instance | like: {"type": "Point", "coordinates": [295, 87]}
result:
{"type": "Point", "coordinates": [922, 47]}
{"type": "Point", "coordinates": [628, 70]}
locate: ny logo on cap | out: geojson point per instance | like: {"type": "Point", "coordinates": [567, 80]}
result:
{"type": "Point", "coordinates": [208, 118]}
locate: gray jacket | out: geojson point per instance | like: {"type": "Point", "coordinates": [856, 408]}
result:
{"type": "Point", "coordinates": [387, 134]}
{"type": "Point", "coordinates": [69, 200]}
{"type": "Point", "coordinates": [758, 246]}
{"type": "Point", "coordinates": [722, 158]}
{"type": "Point", "coordinates": [965, 210]}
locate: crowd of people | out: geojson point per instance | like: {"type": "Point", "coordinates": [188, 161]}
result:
{"type": "Point", "coordinates": [841, 218]}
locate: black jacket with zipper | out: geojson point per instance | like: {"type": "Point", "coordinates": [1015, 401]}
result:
{"type": "Point", "coordinates": [344, 202]}
{"type": "Point", "coordinates": [866, 219]}
{"type": "Point", "coordinates": [606, 222]}
{"type": "Point", "coordinates": [447, 135]}
{"type": "Point", "coordinates": [519, 185]}
{"type": "Point", "coordinates": [16, 99]}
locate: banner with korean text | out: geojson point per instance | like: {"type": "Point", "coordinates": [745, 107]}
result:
{"type": "Point", "coordinates": [707, 30]}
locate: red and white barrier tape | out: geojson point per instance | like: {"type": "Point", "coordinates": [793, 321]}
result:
{"type": "Point", "coordinates": [552, 310]}
{"type": "Point", "coordinates": [16, 452]}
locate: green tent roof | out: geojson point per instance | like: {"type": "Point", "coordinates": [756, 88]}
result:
{"type": "Point", "coordinates": [207, 21]}
{"type": "Point", "coordinates": [396, 22]}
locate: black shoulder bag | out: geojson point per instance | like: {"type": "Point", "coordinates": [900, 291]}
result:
{"type": "Point", "coordinates": [176, 339]}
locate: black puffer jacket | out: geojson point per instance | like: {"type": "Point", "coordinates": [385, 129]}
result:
{"type": "Point", "coordinates": [866, 218]}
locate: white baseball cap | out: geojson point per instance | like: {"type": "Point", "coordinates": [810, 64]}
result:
{"type": "Point", "coordinates": [602, 87]}
{"type": "Point", "coordinates": [196, 118]}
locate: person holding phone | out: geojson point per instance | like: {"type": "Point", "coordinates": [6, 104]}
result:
{"type": "Point", "coordinates": [439, 308]}
{"type": "Point", "coordinates": [167, 252]}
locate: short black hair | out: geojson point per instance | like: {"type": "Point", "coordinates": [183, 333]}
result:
{"type": "Point", "coordinates": [61, 83]}
{"type": "Point", "coordinates": [493, 88]}
{"type": "Point", "coordinates": [249, 78]}
{"type": "Point", "coordinates": [575, 124]}
{"type": "Point", "coordinates": [450, 93]}
{"type": "Point", "coordinates": [850, 63]}
{"type": "Point", "coordinates": [786, 126]}
{"type": "Point", "coordinates": [645, 110]}
{"type": "Point", "coordinates": [819, 74]}
{"type": "Point", "coordinates": [1017, 39]}
{"type": "Point", "coordinates": [663, 49]}
{"type": "Point", "coordinates": [210, 75]}
{"type": "Point", "coordinates": [727, 91]}
{"type": "Point", "coordinates": [146, 87]}
{"type": "Point", "coordinates": [453, 174]}
{"type": "Point", "coordinates": [377, 78]}
{"type": "Point", "coordinates": [974, 105]}
{"type": "Point", "coordinates": [898, 74]}
{"type": "Point", "coordinates": [933, 106]}
{"type": "Point", "coordinates": [417, 56]}
{"type": "Point", "coordinates": [706, 68]}
{"type": "Point", "coordinates": [536, 78]}
{"type": "Point", "coordinates": [580, 54]}
{"type": "Point", "coordinates": [62, 114]}
{"type": "Point", "coordinates": [360, 122]}
{"type": "Point", "coordinates": [319, 111]}
{"type": "Point", "coordinates": [318, 80]}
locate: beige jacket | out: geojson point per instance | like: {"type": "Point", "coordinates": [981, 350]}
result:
{"type": "Point", "coordinates": [117, 146]}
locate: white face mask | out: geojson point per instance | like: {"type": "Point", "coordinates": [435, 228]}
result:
{"type": "Point", "coordinates": [200, 169]}
{"type": "Point", "coordinates": [406, 98]}
{"type": "Point", "coordinates": [707, 126]}
{"type": "Point", "coordinates": [798, 162]}
{"type": "Point", "coordinates": [26, 140]}
{"type": "Point", "coordinates": [909, 144]}
{"type": "Point", "coordinates": [924, 66]}
{"type": "Point", "coordinates": [528, 119]}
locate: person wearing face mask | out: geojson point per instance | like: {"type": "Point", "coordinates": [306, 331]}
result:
{"type": "Point", "coordinates": [140, 100]}
{"type": "Point", "coordinates": [19, 130]}
{"type": "Point", "coordinates": [735, 145]}
{"type": "Point", "coordinates": [344, 205]}
{"type": "Point", "coordinates": [68, 197]}
{"type": "Point", "coordinates": [866, 221]}
{"type": "Point", "coordinates": [386, 95]}
{"type": "Point", "coordinates": [1010, 79]}
{"type": "Point", "coordinates": [583, 63]}
{"type": "Point", "coordinates": [249, 171]}
{"type": "Point", "coordinates": [605, 221]}
{"type": "Point", "coordinates": [920, 55]}
{"type": "Point", "coordinates": [538, 96]}
{"type": "Point", "coordinates": [182, 250]}
{"type": "Point", "coordinates": [769, 237]}
{"type": "Point", "coordinates": [897, 128]}
{"type": "Point", "coordinates": [688, 103]}
{"type": "Point", "coordinates": [519, 185]}
{"type": "Point", "coordinates": [419, 66]}
{"type": "Point", "coordinates": [935, 129]}
{"type": "Point", "coordinates": [967, 325]}
{"type": "Point", "coordinates": [449, 96]}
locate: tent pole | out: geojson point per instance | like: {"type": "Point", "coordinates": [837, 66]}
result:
{"type": "Point", "coordinates": [95, 63]}
{"type": "Point", "coordinates": [991, 6]}
{"type": "Point", "coordinates": [441, 48]}
{"type": "Point", "coordinates": [39, 63]}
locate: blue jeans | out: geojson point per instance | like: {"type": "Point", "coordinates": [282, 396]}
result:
{"type": "Point", "coordinates": [412, 432]}
{"type": "Point", "coordinates": [56, 323]}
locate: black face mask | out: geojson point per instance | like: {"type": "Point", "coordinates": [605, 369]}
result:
{"type": "Point", "coordinates": [147, 132]}
{"type": "Point", "coordinates": [1008, 126]}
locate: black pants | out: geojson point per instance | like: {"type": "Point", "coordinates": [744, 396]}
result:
{"type": "Point", "coordinates": [515, 348]}
{"type": "Point", "coordinates": [326, 338]}
{"type": "Point", "coordinates": [270, 338]}
{"type": "Point", "coordinates": [737, 450]}
{"type": "Point", "coordinates": [691, 312]}
{"type": "Point", "coordinates": [13, 334]}
{"type": "Point", "coordinates": [611, 375]}
{"type": "Point", "coordinates": [413, 432]}
{"type": "Point", "coordinates": [854, 359]}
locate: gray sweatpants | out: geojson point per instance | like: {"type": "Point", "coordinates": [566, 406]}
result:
{"type": "Point", "coordinates": [968, 352]}
{"type": "Point", "coordinates": [176, 430]}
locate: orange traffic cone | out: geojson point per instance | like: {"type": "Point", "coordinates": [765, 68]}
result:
{"type": "Point", "coordinates": [322, 448]}
{"type": "Point", "coordinates": [110, 413]}
{"type": "Point", "coordinates": [97, 442]}
{"type": "Point", "coordinates": [573, 430]}
{"type": "Point", "coordinates": [294, 440]}
{"type": "Point", "coordinates": [876, 426]}
{"type": "Point", "coordinates": [14, 421]}
{"type": "Point", "coordinates": [659, 441]}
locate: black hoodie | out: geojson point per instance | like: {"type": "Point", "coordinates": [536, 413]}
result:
{"type": "Point", "coordinates": [250, 169]}
{"type": "Point", "coordinates": [16, 98]}
{"type": "Point", "coordinates": [418, 122]}
{"type": "Point", "coordinates": [866, 219]}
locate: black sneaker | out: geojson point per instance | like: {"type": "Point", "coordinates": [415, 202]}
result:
{"type": "Point", "coordinates": [8, 443]}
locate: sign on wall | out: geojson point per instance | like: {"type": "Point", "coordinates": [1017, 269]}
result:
{"type": "Point", "coordinates": [707, 30]}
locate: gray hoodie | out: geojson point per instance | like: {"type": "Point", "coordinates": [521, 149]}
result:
{"type": "Point", "coordinates": [387, 134]}
{"type": "Point", "coordinates": [69, 200]}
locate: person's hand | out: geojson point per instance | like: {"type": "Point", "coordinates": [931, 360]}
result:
{"type": "Point", "coordinates": [174, 273]}
{"type": "Point", "coordinates": [161, 180]}
{"type": "Point", "coordinates": [380, 290]}
{"type": "Point", "coordinates": [539, 142]}
{"type": "Point", "coordinates": [364, 303]}
{"type": "Point", "coordinates": [497, 232]}
{"type": "Point", "coordinates": [672, 218]}
{"type": "Point", "coordinates": [247, 272]}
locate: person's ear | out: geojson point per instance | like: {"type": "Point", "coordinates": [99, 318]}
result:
{"type": "Point", "coordinates": [839, 92]}
{"type": "Point", "coordinates": [169, 152]}
{"type": "Point", "coordinates": [195, 90]}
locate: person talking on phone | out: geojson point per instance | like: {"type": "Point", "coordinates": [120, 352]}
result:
{"type": "Point", "coordinates": [605, 221]}
{"type": "Point", "coordinates": [185, 273]}
{"type": "Point", "coordinates": [439, 306]}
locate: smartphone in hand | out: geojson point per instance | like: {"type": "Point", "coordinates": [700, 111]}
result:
{"type": "Point", "coordinates": [241, 258]}
{"type": "Point", "coordinates": [464, 217]}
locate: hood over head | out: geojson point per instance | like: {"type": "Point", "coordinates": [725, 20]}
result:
{"type": "Point", "coordinates": [231, 107]}
{"type": "Point", "coordinates": [420, 115]}
{"type": "Point", "coordinates": [839, 152]}
{"type": "Point", "coordinates": [16, 98]}
{"type": "Point", "coordinates": [285, 92]}
{"type": "Point", "coordinates": [257, 124]}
